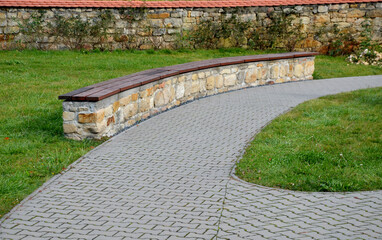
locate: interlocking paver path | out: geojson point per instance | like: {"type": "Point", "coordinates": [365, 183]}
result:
{"type": "Point", "coordinates": [170, 178]}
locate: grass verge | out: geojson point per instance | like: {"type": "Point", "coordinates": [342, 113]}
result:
{"type": "Point", "coordinates": [333, 143]}
{"type": "Point", "coordinates": [32, 146]}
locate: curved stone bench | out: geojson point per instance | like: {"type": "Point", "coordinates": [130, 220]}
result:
{"type": "Point", "coordinates": [106, 108]}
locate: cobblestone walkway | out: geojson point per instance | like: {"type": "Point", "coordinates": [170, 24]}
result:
{"type": "Point", "coordinates": [170, 177]}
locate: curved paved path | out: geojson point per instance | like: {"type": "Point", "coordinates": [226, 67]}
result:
{"type": "Point", "coordinates": [170, 178]}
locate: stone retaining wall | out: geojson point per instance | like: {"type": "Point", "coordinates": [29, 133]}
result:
{"type": "Point", "coordinates": [115, 113]}
{"type": "Point", "coordinates": [145, 28]}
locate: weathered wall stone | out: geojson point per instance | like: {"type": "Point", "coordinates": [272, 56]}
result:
{"type": "Point", "coordinates": [158, 28]}
{"type": "Point", "coordinates": [115, 113]}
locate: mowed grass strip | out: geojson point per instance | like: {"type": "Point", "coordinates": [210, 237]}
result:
{"type": "Point", "coordinates": [32, 145]}
{"type": "Point", "coordinates": [333, 143]}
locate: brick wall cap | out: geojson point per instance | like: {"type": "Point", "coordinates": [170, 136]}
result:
{"type": "Point", "coordinates": [167, 4]}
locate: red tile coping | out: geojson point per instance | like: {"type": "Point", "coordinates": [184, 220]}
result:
{"type": "Point", "coordinates": [99, 91]}
{"type": "Point", "coordinates": [167, 4]}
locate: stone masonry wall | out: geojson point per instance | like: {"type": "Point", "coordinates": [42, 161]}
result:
{"type": "Point", "coordinates": [115, 113]}
{"type": "Point", "coordinates": [144, 28]}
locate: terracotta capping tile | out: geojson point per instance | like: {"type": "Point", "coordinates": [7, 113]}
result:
{"type": "Point", "coordinates": [166, 4]}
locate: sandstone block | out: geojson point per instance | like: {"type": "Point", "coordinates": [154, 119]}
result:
{"type": "Point", "coordinates": [156, 23]}
{"type": "Point", "coordinates": [11, 30]}
{"type": "Point", "coordinates": [377, 22]}
{"type": "Point", "coordinates": [116, 106]}
{"type": "Point", "coordinates": [334, 7]}
{"type": "Point", "coordinates": [187, 88]}
{"type": "Point", "coordinates": [171, 93]}
{"type": "Point", "coordinates": [280, 80]}
{"type": "Point", "coordinates": [144, 105]}
{"type": "Point", "coordinates": [196, 13]}
{"type": "Point", "coordinates": [290, 72]}
{"type": "Point", "coordinates": [195, 87]}
{"type": "Point", "coordinates": [309, 68]}
{"type": "Point", "coordinates": [176, 14]}
{"type": "Point", "coordinates": [219, 81]}
{"type": "Point", "coordinates": [179, 90]}
{"type": "Point", "coordinates": [181, 79]}
{"type": "Point", "coordinates": [124, 101]}
{"type": "Point", "coordinates": [68, 116]}
{"type": "Point", "coordinates": [343, 25]}
{"type": "Point", "coordinates": [109, 110]}
{"type": "Point", "coordinates": [134, 97]}
{"type": "Point", "coordinates": [230, 80]}
{"type": "Point", "coordinates": [158, 15]}
{"type": "Point", "coordinates": [201, 75]}
{"type": "Point", "coordinates": [69, 128]}
{"type": "Point", "coordinates": [262, 74]}
{"type": "Point", "coordinates": [355, 13]}
{"type": "Point", "coordinates": [374, 13]}
{"type": "Point", "coordinates": [163, 97]}
{"type": "Point", "coordinates": [99, 127]}
{"type": "Point", "coordinates": [275, 72]}
{"type": "Point", "coordinates": [226, 71]}
{"type": "Point", "coordinates": [91, 117]}
{"type": "Point", "coordinates": [251, 75]}
{"type": "Point", "coordinates": [82, 109]}
{"type": "Point", "coordinates": [173, 22]}
{"type": "Point", "coordinates": [298, 71]}
{"type": "Point", "coordinates": [322, 18]}
{"type": "Point", "coordinates": [304, 20]}
{"type": "Point", "coordinates": [173, 31]}
{"type": "Point", "coordinates": [283, 70]}
{"type": "Point", "coordinates": [322, 9]}
{"type": "Point", "coordinates": [130, 110]}
{"type": "Point", "coordinates": [210, 82]}
{"type": "Point", "coordinates": [131, 122]}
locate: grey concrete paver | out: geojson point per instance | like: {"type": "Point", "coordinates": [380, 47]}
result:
{"type": "Point", "coordinates": [170, 177]}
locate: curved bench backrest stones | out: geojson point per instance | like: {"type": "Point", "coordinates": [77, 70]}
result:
{"type": "Point", "coordinates": [106, 108]}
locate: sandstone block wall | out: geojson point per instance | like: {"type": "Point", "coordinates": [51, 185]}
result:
{"type": "Point", "coordinates": [115, 113]}
{"type": "Point", "coordinates": [144, 28]}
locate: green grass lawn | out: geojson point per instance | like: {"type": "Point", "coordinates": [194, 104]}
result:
{"type": "Point", "coordinates": [333, 143]}
{"type": "Point", "coordinates": [32, 146]}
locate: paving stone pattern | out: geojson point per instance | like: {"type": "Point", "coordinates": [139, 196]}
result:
{"type": "Point", "coordinates": [170, 177]}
